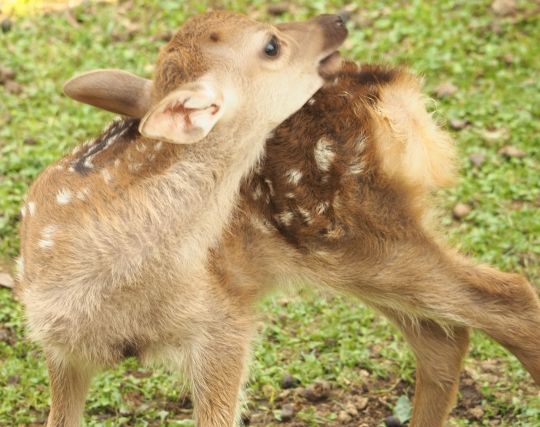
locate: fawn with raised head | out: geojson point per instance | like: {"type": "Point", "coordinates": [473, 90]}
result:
{"type": "Point", "coordinates": [341, 199]}
{"type": "Point", "coordinates": [116, 237]}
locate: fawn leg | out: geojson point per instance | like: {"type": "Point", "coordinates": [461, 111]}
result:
{"type": "Point", "coordinates": [217, 370]}
{"type": "Point", "coordinates": [506, 307]}
{"type": "Point", "coordinates": [69, 384]}
{"type": "Point", "coordinates": [428, 282]}
{"type": "Point", "coordinates": [439, 357]}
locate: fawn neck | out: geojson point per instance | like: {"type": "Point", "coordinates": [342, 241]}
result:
{"type": "Point", "coordinates": [204, 181]}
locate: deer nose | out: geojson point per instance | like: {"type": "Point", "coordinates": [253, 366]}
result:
{"type": "Point", "coordinates": [333, 20]}
{"type": "Point", "coordinates": [343, 17]}
{"type": "Point", "coordinates": [334, 30]}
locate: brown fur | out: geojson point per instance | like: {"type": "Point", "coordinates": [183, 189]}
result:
{"type": "Point", "coordinates": [116, 236]}
{"type": "Point", "coordinates": [341, 199]}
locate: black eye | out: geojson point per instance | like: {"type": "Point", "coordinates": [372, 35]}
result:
{"type": "Point", "coordinates": [272, 47]}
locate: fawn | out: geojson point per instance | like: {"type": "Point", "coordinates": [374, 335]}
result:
{"type": "Point", "coordinates": [116, 237]}
{"type": "Point", "coordinates": [342, 199]}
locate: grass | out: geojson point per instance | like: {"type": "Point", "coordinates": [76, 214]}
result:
{"type": "Point", "coordinates": [493, 61]}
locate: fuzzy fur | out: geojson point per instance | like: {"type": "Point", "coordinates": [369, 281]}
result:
{"type": "Point", "coordinates": [164, 256]}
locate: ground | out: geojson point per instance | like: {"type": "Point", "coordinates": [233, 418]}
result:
{"type": "Point", "coordinates": [320, 360]}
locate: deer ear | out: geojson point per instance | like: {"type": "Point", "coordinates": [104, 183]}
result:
{"type": "Point", "coordinates": [185, 116]}
{"type": "Point", "coordinates": [112, 90]}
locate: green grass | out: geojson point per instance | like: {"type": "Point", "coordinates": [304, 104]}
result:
{"type": "Point", "coordinates": [494, 63]}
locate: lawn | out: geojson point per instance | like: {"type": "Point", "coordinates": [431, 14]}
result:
{"type": "Point", "coordinates": [481, 65]}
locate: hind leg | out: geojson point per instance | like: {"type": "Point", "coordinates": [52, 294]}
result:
{"type": "Point", "coordinates": [439, 357]}
{"type": "Point", "coordinates": [69, 384]}
{"type": "Point", "coordinates": [431, 284]}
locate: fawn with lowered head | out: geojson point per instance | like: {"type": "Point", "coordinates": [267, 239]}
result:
{"type": "Point", "coordinates": [341, 199]}
{"type": "Point", "coordinates": [116, 237]}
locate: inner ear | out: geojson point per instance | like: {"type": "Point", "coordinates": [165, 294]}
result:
{"type": "Point", "coordinates": [112, 90]}
{"type": "Point", "coordinates": [185, 116]}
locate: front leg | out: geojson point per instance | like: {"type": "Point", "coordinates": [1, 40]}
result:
{"type": "Point", "coordinates": [216, 367]}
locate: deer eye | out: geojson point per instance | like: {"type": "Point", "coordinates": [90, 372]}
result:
{"type": "Point", "coordinates": [272, 47]}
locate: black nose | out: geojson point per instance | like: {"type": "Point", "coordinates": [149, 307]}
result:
{"type": "Point", "coordinates": [333, 20]}
{"type": "Point", "coordinates": [343, 17]}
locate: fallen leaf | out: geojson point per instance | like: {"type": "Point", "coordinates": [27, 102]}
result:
{"type": "Point", "coordinates": [361, 403]}
{"type": "Point", "coordinates": [458, 124]}
{"type": "Point", "coordinates": [461, 210]}
{"type": "Point", "coordinates": [6, 74]}
{"type": "Point", "coordinates": [403, 409]}
{"type": "Point", "coordinates": [510, 151]}
{"type": "Point", "coordinates": [476, 412]}
{"type": "Point", "coordinates": [508, 58]}
{"type": "Point", "coordinates": [343, 417]}
{"type": "Point", "coordinates": [495, 135]}
{"type": "Point", "coordinates": [351, 409]}
{"type": "Point", "coordinates": [13, 87]}
{"type": "Point", "coordinates": [477, 159]}
{"type": "Point", "coordinates": [445, 90]}
{"type": "Point", "coordinates": [503, 7]}
{"type": "Point", "coordinates": [6, 280]}
{"type": "Point", "coordinates": [277, 9]}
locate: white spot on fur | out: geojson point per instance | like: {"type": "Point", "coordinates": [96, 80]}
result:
{"type": "Point", "coordinates": [289, 195]}
{"type": "Point", "coordinates": [59, 167]}
{"type": "Point", "coordinates": [360, 144]}
{"type": "Point", "coordinates": [336, 202]}
{"type": "Point", "coordinates": [83, 194]}
{"type": "Point", "coordinates": [32, 208]}
{"type": "Point", "coordinates": [357, 168]}
{"type": "Point", "coordinates": [19, 262]}
{"type": "Point", "coordinates": [336, 232]}
{"type": "Point", "coordinates": [158, 146]}
{"type": "Point", "coordinates": [294, 176]}
{"type": "Point", "coordinates": [141, 148]}
{"type": "Point", "coordinates": [117, 163]}
{"type": "Point", "coordinates": [151, 157]}
{"type": "Point", "coordinates": [106, 175]}
{"type": "Point", "coordinates": [23, 211]}
{"type": "Point", "coordinates": [270, 186]}
{"type": "Point", "coordinates": [63, 197]}
{"type": "Point", "coordinates": [306, 215]}
{"type": "Point", "coordinates": [134, 167]}
{"type": "Point", "coordinates": [324, 154]}
{"type": "Point", "coordinates": [47, 233]}
{"type": "Point", "coordinates": [322, 207]}
{"type": "Point", "coordinates": [88, 163]}
{"type": "Point", "coordinates": [261, 224]}
{"type": "Point", "coordinates": [311, 101]}
{"type": "Point", "coordinates": [257, 193]}
{"type": "Point", "coordinates": [285, 218]}
{"type": "Point", "coordinates": [258, 168]}
{"type": "Point", "coordinates": [76, 150]}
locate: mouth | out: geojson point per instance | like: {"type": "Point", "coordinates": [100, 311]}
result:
{"type": "Point", "coordinates": [330, 65]}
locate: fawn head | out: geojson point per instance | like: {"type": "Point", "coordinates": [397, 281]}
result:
{"type": "Point", "coordinates": [225, 68]}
